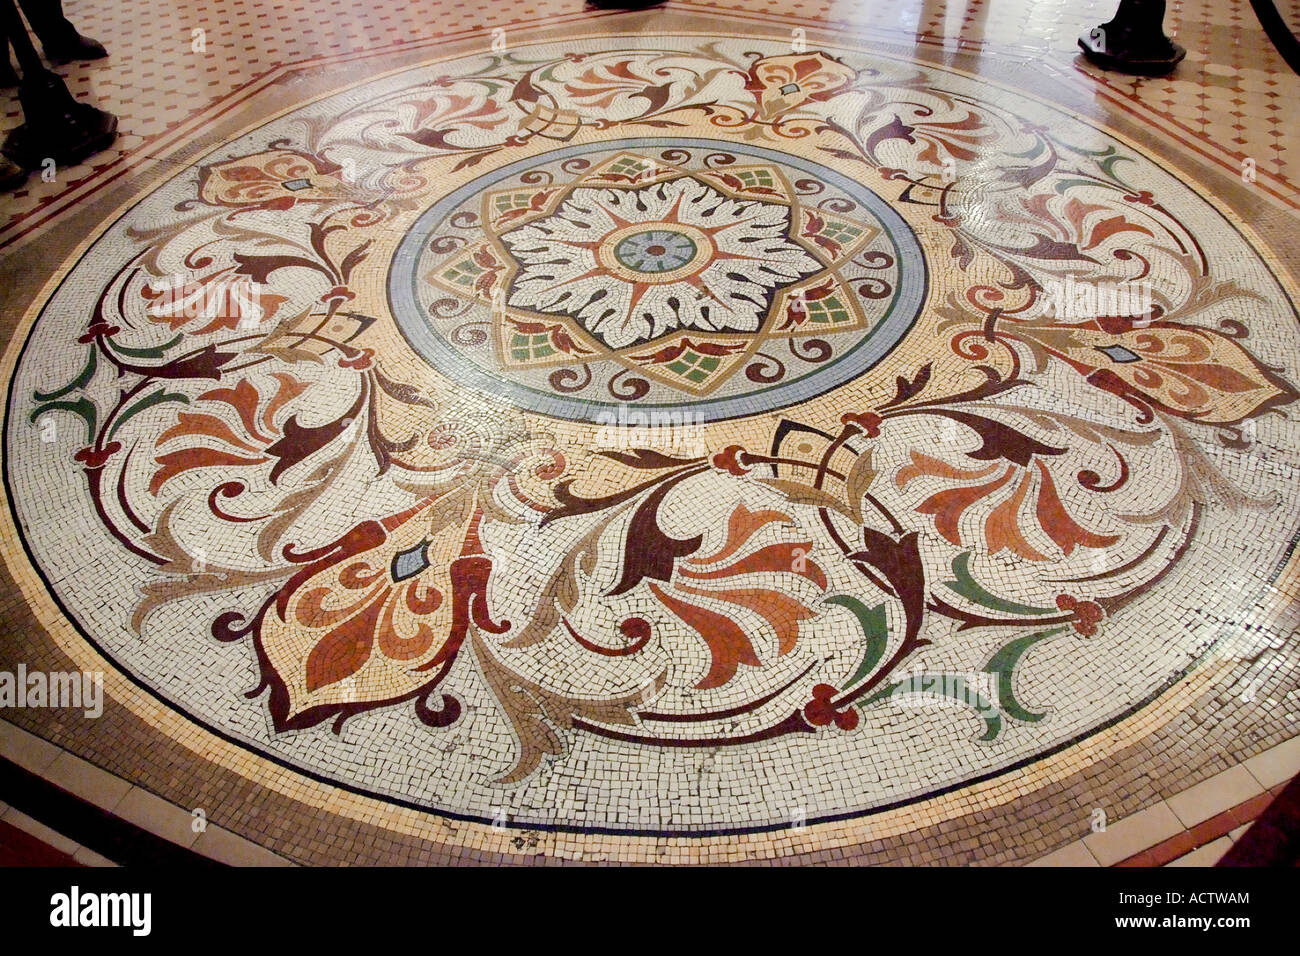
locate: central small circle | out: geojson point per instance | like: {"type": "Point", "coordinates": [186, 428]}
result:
{"type": "Point", "coordinates": [655, 251]}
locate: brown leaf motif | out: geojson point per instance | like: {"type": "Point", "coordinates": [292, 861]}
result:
{"type": "Point", "coordinates": [723, 577]}
{"type": "Point", "coordinates": [252, 442]}
{"type": "Point", "coordinates": [783, 83]}
{"type": "Point", "coordinates": [377, 616]}
{"type": "Point", "coordinates": [1195, 373]}
{"type": "Point", "coordinates": [1003, 525]}
{"type": "Point", "coordinates": [278, 179]}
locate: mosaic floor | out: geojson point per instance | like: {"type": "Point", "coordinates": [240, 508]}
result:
{"type": "Point", "coordinates": [665, 437]}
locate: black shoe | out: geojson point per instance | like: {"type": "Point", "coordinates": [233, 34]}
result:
{"type": "Point", "coordinates": [7, 75]}
{"type": "Point", "coordinates": [75, 47]}
{"type": "Point", "coordinates": [11, 176]}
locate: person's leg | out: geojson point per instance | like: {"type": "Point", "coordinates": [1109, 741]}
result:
{"type": "Point", "coordinates": [7, 75]}
{"type": "Point", "coordinates": [47, 20]}
{"type": "Point", "coordinates": [58, 36]}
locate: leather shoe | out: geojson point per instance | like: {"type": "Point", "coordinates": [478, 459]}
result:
{"type": "Point", "coordinates": [75, 47]}
{"type": "Point", "coordinates": [11, 176]}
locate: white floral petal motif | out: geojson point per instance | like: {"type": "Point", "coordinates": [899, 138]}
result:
{"type": "Point", "coordinates": [544, 256]}
{"type": "Point", "coordinates": [583, 214]}
{"type": "Point", "coordinates": [607, 312]}
{"type": "Point", "coordinates": [704, 206]}
{"type": "Point", "coordinates": [739, 303]}
{"type": "Point", "coordinates": [682, 306]}
{"type": "Point", "coordinates": [703, 261]}
{"type": "Point", "coordinates": [600, 302]}
{"type": "Point", "coordinates": [650, 204]}
{"type": "Point", "coordinates": [554, 277]}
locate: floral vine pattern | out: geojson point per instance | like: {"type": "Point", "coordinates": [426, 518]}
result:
{"type": "Point", "coordinates": [1019, 474]}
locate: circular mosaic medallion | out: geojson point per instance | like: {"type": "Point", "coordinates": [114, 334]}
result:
{"type": "Point", "coordinates": [607, 277]}
{"type": "Point", "coordinates": [333, 443]}
{"type": "Point", "coordinates": [653, 252]}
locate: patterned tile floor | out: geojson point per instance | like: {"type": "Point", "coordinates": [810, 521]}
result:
{"type": "Point", "coordinates": [662, 436]}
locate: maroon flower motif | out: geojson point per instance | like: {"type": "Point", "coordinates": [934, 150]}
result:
{"type": "Point", "coordinates": [98, 328]}
{"type": "Point", "coordinates": [340, 292]}
{"type": "Point", "coordinates": [362, 359]}
{"type": "Point", "coordinates": [95, 457]}
{"type": "Point", "coordinates": [732, 459]}
{"type": "Point", "coordinates": [1087, 614]}
{"type": "Point", "coordinates": [206, 363]}
{"type": "Point", "coordinates": [821, 713]}
{"type": "Point", "coordinates": [867, 422]}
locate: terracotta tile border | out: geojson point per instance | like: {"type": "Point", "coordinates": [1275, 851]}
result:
{"type": "Point", "coordinates": [1274, 839]}
{"type": "Point", "coordinates": [1231, 822]}
{"type": "Point", "coordinates": [107, 805]}
{"type": "Point", "coordinates": [20, 848]}
{"type": "Point", "coordinates": [1208, 831]}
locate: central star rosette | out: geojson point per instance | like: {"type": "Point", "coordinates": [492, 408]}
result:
{"type": "Point", "coordinates": [681, 274]}
{"type": "Point", "coordinates": [633, 264]}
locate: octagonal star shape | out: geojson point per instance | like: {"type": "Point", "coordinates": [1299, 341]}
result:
{"type": "Point", "coordinates": [681, 275]}
{"type": "Point", "coordinates": [632, 264]}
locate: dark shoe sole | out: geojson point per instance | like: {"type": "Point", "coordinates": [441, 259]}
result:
{"type": "Point", "coordinates": [57, 55]}
{"type": "Point", "coordinates": [90, 131]}
{"type": "Point", "coordinates": [1161, 63]}
{"type": "Point", "coordinates": [11, 176]}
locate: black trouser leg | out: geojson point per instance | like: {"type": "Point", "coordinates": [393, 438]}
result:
{"type": "Point", "coordinates": [48, 21]}
{"type": "Point", "coordinates": [7, 75]}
